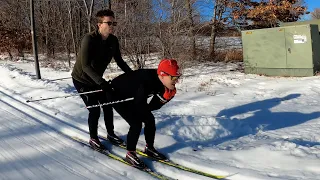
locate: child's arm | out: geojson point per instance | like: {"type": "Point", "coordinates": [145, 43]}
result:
{"type": "Point", "coordinates": [159, 100]}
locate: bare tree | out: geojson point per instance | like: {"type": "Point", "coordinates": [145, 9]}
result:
{"type": "Point", "coordinates": [135, 29]}
{"type": "Point", "coordinates": [219, 9]}
{"type": "Point", "coordinates": [316, 13]}
{"type": "Point", "coordinates": [171, 28]}
{"type": "Point", "coordinates": [14, 27]}
{"type": "Point", "coordinates": [88, 12]}
{"type": "Point", "coordinates": [191, 28]}
{"type": "Point", "coordinates": [70, 15]}
{"type": "Point", "coordinates": [109, 4]}
{"type": "Point", "coordinates": [43, 25]}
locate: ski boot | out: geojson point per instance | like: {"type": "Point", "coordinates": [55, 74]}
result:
{"type": "Point", "coordinates": [96, 144]}
{"type": "Point", "coordinates": [152, 152]}
{"type": "Point", "coordinates": [134, 161]}
{"type": "Point", "coordinates": [114, 139]}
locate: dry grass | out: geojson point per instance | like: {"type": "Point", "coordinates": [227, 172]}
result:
{"type": "Point", "coordinates": [232, 55]}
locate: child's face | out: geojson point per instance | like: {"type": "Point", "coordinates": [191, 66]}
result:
{"type": "Point", "coordinates": [169, 81]}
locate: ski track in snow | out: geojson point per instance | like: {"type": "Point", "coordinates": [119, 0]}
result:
{"type": "Point", "coordinates": [51, 140]}
{"type": "Point", "coordinates": [236, 140]}
{"type": "Point", "coordinates": [36, 149]}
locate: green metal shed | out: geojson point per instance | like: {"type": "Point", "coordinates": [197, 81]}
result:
{"type": "Point", "coordinates": [282, 51]}
{"type": "Point", "coordinates": [315, 21]}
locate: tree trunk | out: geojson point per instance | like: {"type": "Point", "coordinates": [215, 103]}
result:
{"type": "Point", "coordinates": [109, 1]}
{"type": "Point", "coordinates": [191, 29]}
{"type": "Point", "coordinates": [219, 9]}
{"type": "Point", "coordinates": [71, 29]}
{"type": "Point", "coordinates": [125, 20]}
{"type": "Point", "coordinates": [89, 13]}
{"type": "Point", "coordinates": [213, 32]}
{"type": "Point", "coordinates": [10, 55]}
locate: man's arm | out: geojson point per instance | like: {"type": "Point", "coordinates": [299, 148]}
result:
{"type": "Point", "coordinates": [85, 53]}
{"type": "Point", "coordinates": [118, 58]}
{"type": "Point", "coordinates": [140, 102]}
{"type": "Point", "coordinates": [158, 100]}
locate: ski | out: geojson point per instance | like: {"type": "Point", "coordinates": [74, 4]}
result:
{"type": "Point", "coordinates": [173, 164]}
{"type": "Point", "coordinates": [120, 159]}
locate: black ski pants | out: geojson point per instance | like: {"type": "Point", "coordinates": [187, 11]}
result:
{"type": "Point", "coordinates": [94, 113]}
{"type": "Point", "coordinates": [127, 110]}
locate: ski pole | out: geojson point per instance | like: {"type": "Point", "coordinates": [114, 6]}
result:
{"type": "Point", "coordinates": [77, 94]}
{"type": "Point", "coordinates": [114, 102]}
{"type": "Point", "coordinates": [108, 103]}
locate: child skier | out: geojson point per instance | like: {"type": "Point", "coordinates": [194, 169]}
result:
{"type": "Point", "coordinates": [140, 84]}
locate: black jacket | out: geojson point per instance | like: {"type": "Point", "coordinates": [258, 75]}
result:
{"type": "Point", "coordinates": [140, 84]}
{"type": "Point", "coordinates": [94, 56]}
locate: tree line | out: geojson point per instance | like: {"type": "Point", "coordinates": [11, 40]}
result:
{"type": "Point", "coordinates": [173, 28]}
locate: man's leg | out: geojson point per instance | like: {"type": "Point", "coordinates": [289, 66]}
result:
{"type": "Point", "coordinates": [107, 111]}
{"type": "Point", "coordinates": [94, 113]}
{"type": "Point", "coordinates": [149, 129]}
{"type": "Point", "coordinates": [126, 111]}
{"type": "Point", "coordinates": [108, 118]}
{"type": "Point", "coordinates": [149, 133]}
{"type": "Point", "coordinates": [133, 135]}
{"type": "Point", "coordinates": [89, 100]}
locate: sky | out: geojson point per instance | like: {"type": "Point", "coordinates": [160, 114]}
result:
{"type": "Point", "coordinates": [221, 121]}
{"type": "Point", "coordinates": [312, 4]}
{"type": "Point", "coordinates": [206, 6]}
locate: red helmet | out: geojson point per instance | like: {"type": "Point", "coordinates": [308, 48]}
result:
{"type": "Point", "coordinates": [168, 67]}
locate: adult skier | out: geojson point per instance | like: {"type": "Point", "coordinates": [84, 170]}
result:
{"type": "Point", "coordinates": [96, 51]}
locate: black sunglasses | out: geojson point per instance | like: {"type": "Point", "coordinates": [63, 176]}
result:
{"type": "Point", "coordinates": [111, 23]}
{"type": "Point", "coordinates": [173, 78]}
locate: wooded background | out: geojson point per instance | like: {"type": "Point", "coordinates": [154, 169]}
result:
{"type": "Point", "coordinates": [172, 28]}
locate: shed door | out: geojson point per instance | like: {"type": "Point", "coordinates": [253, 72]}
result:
{"type": "Point", "coordinates": [299, 47]}
{"type": "Point", "coordinates": [265, 48]}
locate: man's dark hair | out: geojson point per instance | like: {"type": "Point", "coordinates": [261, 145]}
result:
{"type": "Point", "coordinates": [106, 12]}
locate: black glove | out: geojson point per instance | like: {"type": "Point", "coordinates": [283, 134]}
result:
{"type": "Point", "coordinates": [106, 86]}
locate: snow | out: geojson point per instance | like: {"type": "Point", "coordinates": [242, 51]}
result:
{"type": "Point", "coordinates": [221, 121]}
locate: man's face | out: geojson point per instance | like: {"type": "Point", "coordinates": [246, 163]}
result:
{"type": "Point", "coordinates": [106, 26]}
{"type": "Point", "coordinates": [169, 81]}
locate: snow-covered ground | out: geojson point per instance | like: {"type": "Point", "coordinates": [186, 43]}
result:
{"type": "Point", "coordinates": [221, 121]}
